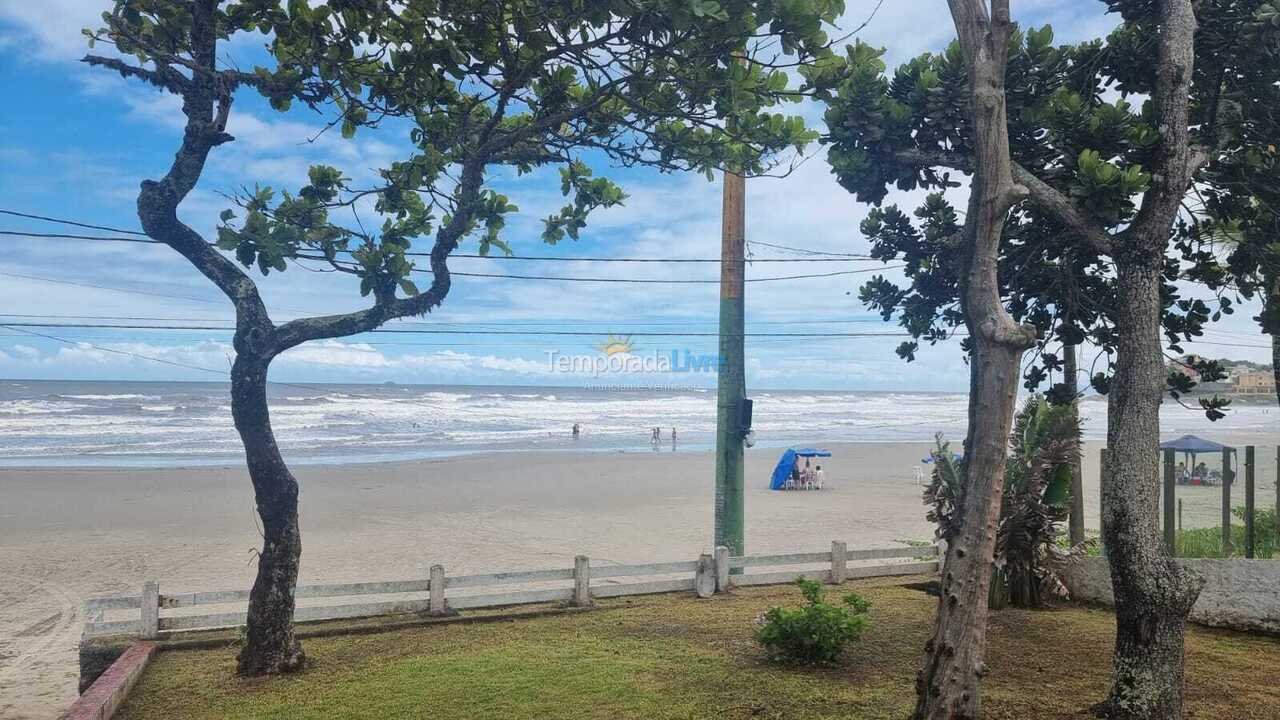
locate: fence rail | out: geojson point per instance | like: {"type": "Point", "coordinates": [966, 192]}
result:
{"type": "Point", "coordinates": [706, 576]}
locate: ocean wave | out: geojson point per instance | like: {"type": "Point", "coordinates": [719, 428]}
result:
{"type": "Point", "coordinates": [126, 396]}
{"type": "Point", "coordinates": [180, 420]}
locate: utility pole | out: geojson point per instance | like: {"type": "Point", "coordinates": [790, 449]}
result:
{"type": "Point", "coordinates": [731, 381]}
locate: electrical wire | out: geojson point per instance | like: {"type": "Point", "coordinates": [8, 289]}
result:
{"type": "Point", "coordinates": [657, 281]}
{"type": "Point", "coordinates": [417, 331]}
{"type": "Point", "coordinates": [63, 221]}
{"type": "Point", "coordinates": [473, 256]}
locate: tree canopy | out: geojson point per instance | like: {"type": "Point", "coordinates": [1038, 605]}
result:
{"type": "Point", "coordinates": [479, 86]}
{"type": "Point", "coordinates": [1083, 135]}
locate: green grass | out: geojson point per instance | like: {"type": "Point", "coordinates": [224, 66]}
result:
{"type": "Point", "coordinates": [675, 656]}
{"type": "Point", "coordinates": [1207, 542]}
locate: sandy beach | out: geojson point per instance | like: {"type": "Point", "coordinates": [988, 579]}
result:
{"type": "Point", "coordinates": [69, 534]}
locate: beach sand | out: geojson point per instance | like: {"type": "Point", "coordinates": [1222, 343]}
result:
{"type": "Point", "coordinates": [70, 534]}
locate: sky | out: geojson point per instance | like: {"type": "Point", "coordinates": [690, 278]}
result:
{"type": "Point", "coordinates": [79, 141]}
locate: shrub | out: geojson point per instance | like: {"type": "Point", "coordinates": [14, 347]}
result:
{"type": "Point", "coordinates": [815, 633]}
{"type": "Point", "coordinates": [1207, 542]}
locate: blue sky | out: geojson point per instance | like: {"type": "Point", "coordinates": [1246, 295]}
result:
{"type": "Point", "coordinates": [79, 141]}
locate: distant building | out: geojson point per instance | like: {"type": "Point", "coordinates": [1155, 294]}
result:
{"type": "Point", "coordinates": [1257, 382]}
{"type": "Point", "coordinates": [1182, 366]}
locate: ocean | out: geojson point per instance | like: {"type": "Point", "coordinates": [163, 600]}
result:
{"type": "Point", "coordinates": [166, 424]}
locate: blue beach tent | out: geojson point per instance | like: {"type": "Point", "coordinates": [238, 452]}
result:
{"type": "Point", "coordinates": [788, 461]}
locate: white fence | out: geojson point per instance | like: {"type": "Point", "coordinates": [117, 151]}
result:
{"type": "Point", "coordinates": [156, 615]}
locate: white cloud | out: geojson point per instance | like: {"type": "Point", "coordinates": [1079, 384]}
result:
{"type": "Point", "coordinates": [50, 29]}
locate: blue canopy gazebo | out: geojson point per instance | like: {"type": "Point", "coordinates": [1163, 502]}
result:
{"type": "Point", "coordinates": [788, 461]}
{"type": "Point", "coordinates": [1190, 446]}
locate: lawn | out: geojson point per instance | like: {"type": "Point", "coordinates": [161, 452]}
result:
{"type": "Point", "coordinates": [674, 656]}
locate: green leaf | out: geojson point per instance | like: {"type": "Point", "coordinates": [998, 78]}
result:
{"type": "Point", "coordinates": [1058, 492]}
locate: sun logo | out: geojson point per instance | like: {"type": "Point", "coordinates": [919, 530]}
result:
{"type": "Point", "coordinates": [616, 345]}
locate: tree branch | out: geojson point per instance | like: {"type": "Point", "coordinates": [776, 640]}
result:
{"type": "Point", "coordinates": [1063, 209]}
{"type": "Point", "coordinates": [163, 77]}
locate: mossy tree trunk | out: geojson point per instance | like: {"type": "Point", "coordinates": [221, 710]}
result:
{"type": "Point", "coordinates": [1153, 594]}
{"type": "Point", "coordinates": [270, 645]}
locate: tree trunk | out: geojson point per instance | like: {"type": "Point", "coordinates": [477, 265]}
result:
{"type": "Point", "coordinates": [270, 646]}
{"type": "Point", "coordinates": [949, 683]}
{"type": "Point", "coordinates": [1153, 594]}
{"type": "Point", "coordinates": [1075, 524]}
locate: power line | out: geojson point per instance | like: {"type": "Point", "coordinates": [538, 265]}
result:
{"type": "Point", "coordinates": [646, 260]}
{"type": "Point", "coordinates": [415, 331]}
{"type": "Point", "coordinates": [667, 281]}
{"type": "Point", "coordinates": [806, 251]}
{"type": "Point", "coordinates": [468, 324]}
{"type": "Point", "coordinates": [139, 356]}
{"type": "Point", "coordinates": [471, 256]}
{"type": "Point", "coordinates": [63, 236]}
{"type": "Point", "coordinates": [62, 221]}
{"type": "Point", "coordinates": [108, 287]}
{"type": "Point", "coordinates": [1227, 344]}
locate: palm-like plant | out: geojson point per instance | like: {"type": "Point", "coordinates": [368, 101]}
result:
{"type": "Point", "coordinates": [1036, 501]}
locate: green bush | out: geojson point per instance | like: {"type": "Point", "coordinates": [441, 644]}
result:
{"type": "Point", "coordinates": [815, 633]}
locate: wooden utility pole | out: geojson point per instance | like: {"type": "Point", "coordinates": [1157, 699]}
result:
{"type": "Point", "coordinates": [731, 381]}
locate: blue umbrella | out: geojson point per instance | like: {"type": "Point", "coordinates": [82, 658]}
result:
{"type": "Point", "coordinates": [788, 461]}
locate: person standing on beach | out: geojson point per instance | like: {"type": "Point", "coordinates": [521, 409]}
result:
{"type": "Point", "coordinates": [577, 430]}
{"type": "Point", "coordinates": [673, 438]}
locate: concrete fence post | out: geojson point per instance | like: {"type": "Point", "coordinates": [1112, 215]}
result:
{"type": "Point", "coordinates": [149, 627]}
{"type": "Point", "coordinates": [435, 592]}
{"type": "Point", "coordinates": [722, 569]}
{"type": "Point", "coordinates": [704, 579]}
{"type": "Point", "coordinates": [839, 561]}
{"type": "Point", "coordinates": [581, 581]}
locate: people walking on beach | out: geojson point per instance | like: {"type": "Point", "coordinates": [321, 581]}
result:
{"type": "Point", "coordinates": [577, 431]}
{"type": "Point", "coordinates": [673, 438]}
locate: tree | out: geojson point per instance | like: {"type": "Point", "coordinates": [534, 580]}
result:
{"type": "Point", "coordinates": [1234, 240]}
{"type": "Point", "coordinates": [476, 86]}
{"type": "Point", "coordinates": [948, 685]}
{"type": "Point", "coordinates": [1110, 178]}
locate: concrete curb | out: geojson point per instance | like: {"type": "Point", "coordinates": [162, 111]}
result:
{"type": "Point", "coordinates": [108, 692]}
